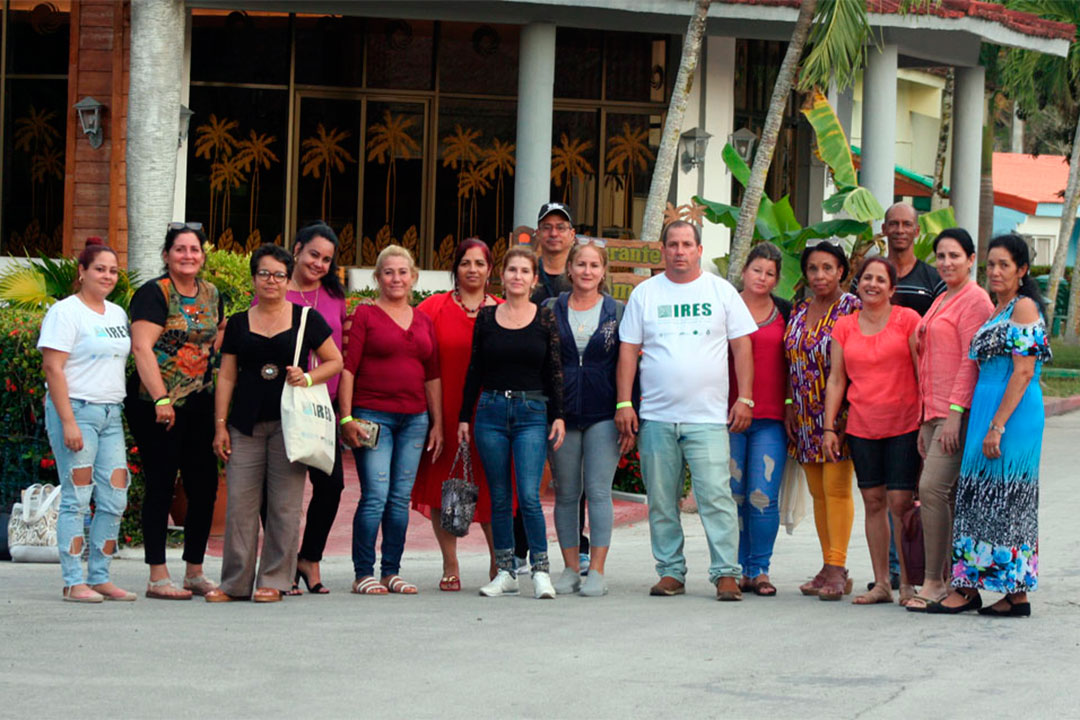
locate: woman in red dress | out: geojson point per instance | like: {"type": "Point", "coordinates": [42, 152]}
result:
{"type": "Point", "coordinates": [454, 314]}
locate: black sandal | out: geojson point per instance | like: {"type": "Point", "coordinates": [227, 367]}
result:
{"type": "Point", "coordinates": [1016, 609]}
{"type": "Point", "coordinates": [316, 589]}
{"type": "Point", "coordinates": [974, 602]}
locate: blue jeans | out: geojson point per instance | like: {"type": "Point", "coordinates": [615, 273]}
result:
{"type": "Point", "coordinates": [758, 455]}
{"type": "Point", "coordinates": [103, 451]}
{"type": "Point", "coordinates": [664, 448]}
{"type": "Point", "coordinates": [514, 430]}
{"type": "Point", "coordinates": [387, 472]}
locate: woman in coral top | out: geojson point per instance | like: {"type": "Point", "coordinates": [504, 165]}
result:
{"type": "Point", "coordinates": [874, 350]}
{"type": "Point", "coordinates": [946, 381]}
{"type": "Point", "coordinates": [454, 315]}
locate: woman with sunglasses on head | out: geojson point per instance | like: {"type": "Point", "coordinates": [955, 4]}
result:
{"type": "Point", "coordinates": [315, 284]}
{"type": "Point", "coordinates": [84, 346]}
{"type": "Point", "coordinates": [873, 369]}
{"type": "Point", "coordinates": [454, 316]}
{"type": "Point", "coordinates": [256, 362]}
{"type": "Point", "coordinates": [807, 341]}
{"type": "Point", "coordinates": [946, 381]}
{"type": "Point", "coordinates": [175, 323]}
{"type": "Point", "coordinates": [996, 530]}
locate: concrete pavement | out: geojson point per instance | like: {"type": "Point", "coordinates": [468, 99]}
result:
{"type": "Point", "coordinates": [626, 655]}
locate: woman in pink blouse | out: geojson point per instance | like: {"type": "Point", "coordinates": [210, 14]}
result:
{"type": "Point", "coordinates": [946, 380]}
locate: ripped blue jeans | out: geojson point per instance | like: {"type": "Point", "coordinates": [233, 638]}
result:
{"type": "Point", "coordinates": [758, 455]}
{"type": "Point", "coordinates": [103, 454]}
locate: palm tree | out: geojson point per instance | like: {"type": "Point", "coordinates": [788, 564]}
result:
{"type": "Point", "coordinates": [225, 175]}
{"type": "Point", "coordinates": [214, 140]}
{"type": "Point", "coordinates": [629, 153]}
{"type": "Point", "coordinates": [473, 182]}
{"type": "Point", "coordinates": [390, 138]}
{"type": "Point", "coordinates": [34, 130]}
{"type": "Point", "coordinates": [323, 155]}
{"type": "Point", "coordinates": [498, 162]}
{"type": "Point", "coordinates": [568, 162]}
{"type": "Point", "coordinates": [253, 153]}
{"type": "Point", "coordinates": [1042, 83]}
{"type": "Point", "coordinates": [45, 164]}
{"type": "Point", "coordinates": [459, 150]}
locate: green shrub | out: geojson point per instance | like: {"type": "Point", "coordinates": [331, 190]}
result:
{"type": "Point", "coordinates": [231, 274]}
{"type": "Point", "coordinates": [33, 285]}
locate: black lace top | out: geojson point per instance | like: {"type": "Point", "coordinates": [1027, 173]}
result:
{"type": "Point", "coordinates": [522, 359]}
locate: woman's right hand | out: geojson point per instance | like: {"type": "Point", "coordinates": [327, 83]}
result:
{"type": "Point", "coordinates": [831, 444]}
{"type": "Point", "coordinates": [790, 423]}
{"type": "Point", "coordinates": [73, 439]}
{"type": "Point", "coordinates": [462, 433]}
{"type": "Point", "coordinates": [165, 415]}
{"type": "Point", "coordinates": [222, 442]}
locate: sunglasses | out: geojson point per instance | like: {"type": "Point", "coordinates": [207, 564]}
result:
{"type": "Point", "coordinates": [196, 226]}
{"type": "Point", "coordinates": [586, 240]}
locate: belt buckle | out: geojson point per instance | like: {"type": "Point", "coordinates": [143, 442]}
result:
{"type": "Point", "coordinates": [508, 394]}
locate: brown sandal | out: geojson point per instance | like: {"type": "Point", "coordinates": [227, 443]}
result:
{"type": "Point", "coordinates": [879, 594]}
{"type": "Point", "coordinates": [837, 583]}
{"type": "Point", "coordinates": [813, 586]}
{"type": "Point", "coordinates": [763, 588]}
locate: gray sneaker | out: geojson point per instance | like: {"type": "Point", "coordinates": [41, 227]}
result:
{"type": "Point", "coordinates": [568, 582]}
{"type": "Point", "coordinates": [594, 585]}
{"type": "Point", "coordinates": [503, 584]}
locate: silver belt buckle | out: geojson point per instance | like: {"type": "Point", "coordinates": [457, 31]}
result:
{"type": "Point", "coordinates": [509, 394]}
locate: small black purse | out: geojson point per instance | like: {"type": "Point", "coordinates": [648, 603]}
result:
{"type": "Point", "coordinates": [459, 494]}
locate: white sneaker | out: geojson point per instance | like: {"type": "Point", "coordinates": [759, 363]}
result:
{"type": "Point", "coordinates": [569, 582]}
{"type": "Point", "coordinates": [503, 584]}
{"type": "Point", "coordinates": [542, 587]}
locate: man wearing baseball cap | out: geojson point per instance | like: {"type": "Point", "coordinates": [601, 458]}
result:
{"type": "Point", "coordinates": [554, 238]}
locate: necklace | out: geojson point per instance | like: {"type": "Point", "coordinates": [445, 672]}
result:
{"type": "Point", "coordinates": [468, 310]}
{"type": "Point", "coordinates": [303, 298]}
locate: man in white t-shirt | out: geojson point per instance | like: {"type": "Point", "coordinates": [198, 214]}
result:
{"type": "Point", "coordinates": [682, 323]}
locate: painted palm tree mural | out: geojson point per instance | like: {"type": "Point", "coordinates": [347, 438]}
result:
{"type": "Point", "coordinates": [568, 163]}
{"type": "Point", "coordinates": [388, 141]}
{"type": "Point", "coordinates": [225, 175]}
{"type": "Point", "coordinates": [473, 183]}
{"type": "Point", "coordinates": [459, 151]}
{"type": "Point", "coordinates": [498, 163]}
{"type": "Point", "coordinates": [252, 154]}
{"type": "Point", "coordinates": [323, 156]}
{"type": "Point", "coordinates": [37, 137]}
{"type": "Point", "coordinates": [215, 142]}
{"type": "Point", "coordinates": [628, 153]}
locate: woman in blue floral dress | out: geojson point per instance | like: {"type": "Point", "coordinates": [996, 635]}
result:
{"type": "Point", "coordinates": [996, 526]}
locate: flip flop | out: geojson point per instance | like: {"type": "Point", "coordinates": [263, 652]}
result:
{"type": "Point", "coordinates": [450, 583]}
{"type": "Point", "coordinates": [158, 590]}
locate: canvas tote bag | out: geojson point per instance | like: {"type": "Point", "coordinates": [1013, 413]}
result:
{"type": "Point", "coordinates": [32, 527]}
{"type": "Point", "coordinates": [307, 418]}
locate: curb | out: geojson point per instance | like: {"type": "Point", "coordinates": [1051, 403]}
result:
{"type": "Point", "coordinates": [1060, 406]}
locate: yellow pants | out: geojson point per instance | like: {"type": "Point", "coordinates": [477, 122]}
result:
{"type": "Point", "coordinates": [834, 508]}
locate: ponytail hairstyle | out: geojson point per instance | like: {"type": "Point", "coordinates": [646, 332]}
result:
{"type": "Point", "coordinates": [330, 281]}
{"type": "Point", "coordinates": [1018, 250]}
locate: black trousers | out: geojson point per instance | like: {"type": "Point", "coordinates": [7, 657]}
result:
{"type": "Point", "coordinates": [325, 498]}
{"type": "Point", "coordinates": [187, 448]}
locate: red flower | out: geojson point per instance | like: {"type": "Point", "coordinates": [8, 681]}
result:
{"type": "Point", "coordinates": [134, 450]}
{"type": "Point", "coordinates": [48, 463]}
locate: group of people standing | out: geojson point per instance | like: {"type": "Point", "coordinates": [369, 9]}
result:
{"type": "Point", "coordinates": [915, 381]}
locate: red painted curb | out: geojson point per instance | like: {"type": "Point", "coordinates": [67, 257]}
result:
{"type": "Point", "coordinates": [1060, 406]}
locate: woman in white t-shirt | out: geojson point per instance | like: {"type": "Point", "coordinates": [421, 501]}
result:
{"type": "Point", "coordinates": [85, 341]}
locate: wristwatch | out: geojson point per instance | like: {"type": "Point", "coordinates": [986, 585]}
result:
{"type": "Point", "coordinates": [1000, 429]}
{"type": "Point", "coordinates": [746, 401]}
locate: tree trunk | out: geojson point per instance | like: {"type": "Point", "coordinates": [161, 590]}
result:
{"type": "Point", "coordinates": [748, 210]}
{"type": "Point", "coordinates": [1068, 220]}
{"type": "Point", "coordinates": [652, 223]}
{"type": "Point", "coordinates": [986, 194]}
{"type": "Point", "coordinates": [937, 197]}
{"type": "Point", "coordinates": [157, 44]}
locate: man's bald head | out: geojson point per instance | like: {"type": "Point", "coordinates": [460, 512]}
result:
{"type": "Point", "coordinates": [901, 227]}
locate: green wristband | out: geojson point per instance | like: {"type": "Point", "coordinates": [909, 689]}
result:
{"type": "Point", "coordinates": [789, 401]}
{"type": "Point", "coordinates": [346, 419]}
{"type": "Point", "coordinates": [958, 408]}
{"type": "Point", "coordinates": [162, 401]}
{"type": "Point", "coordinates": [307, 376]}
{"type": "Point", "coordinates": [624, 404]}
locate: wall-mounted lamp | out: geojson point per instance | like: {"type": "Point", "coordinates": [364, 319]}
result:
{"type": "Point", "coordinates": [694, 143]}
{"type": "Point", "coordinates": [743, 141]}
{"type": "Point", "coordinates": [185, 121]}
{"type": "Point", "coordinates": [89, 111]}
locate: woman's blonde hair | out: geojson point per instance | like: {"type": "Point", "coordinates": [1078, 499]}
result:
{"type": "Point", "coordinates": [605, 286]}
{"type": "Point", "coordinates": [521, 251]}
{"type": "Point", "coordinates": [395, 251]}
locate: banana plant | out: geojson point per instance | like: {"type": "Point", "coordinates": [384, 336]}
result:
{"type": "Point", "coordinates": [930, 224]}
{"type": "Point", "coordinates": [40, 283]}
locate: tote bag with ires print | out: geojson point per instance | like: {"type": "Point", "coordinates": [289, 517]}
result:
{"type": "Point", "coordinates": [307, 418]}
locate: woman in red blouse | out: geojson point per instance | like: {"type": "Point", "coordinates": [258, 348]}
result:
{"type": "Point", "coordinates": [391, 378]}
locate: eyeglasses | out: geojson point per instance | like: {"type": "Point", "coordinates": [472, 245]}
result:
{"type": "Point", "coordinates": [586, 240]}
{"type": "Point", "coordinates": [559, 227]}
{"type": "Point", "coordinates": [278, 276]}
{"type": "Point", "coordinates": [196, 226]}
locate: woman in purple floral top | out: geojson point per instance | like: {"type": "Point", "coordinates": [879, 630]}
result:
{"type": "Point", "coordinates": [806, 342]}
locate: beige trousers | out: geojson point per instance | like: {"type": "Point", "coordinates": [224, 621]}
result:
{"type": "Point", "coordinates": [937, 493]}
{"type": "Point", "coordinates": [258, 464]}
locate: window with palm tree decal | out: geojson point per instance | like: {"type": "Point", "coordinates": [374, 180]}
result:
{"type": "Point", "coordinates": [394, 160]}
{"type": "Point", "coordinates": [34, 188]}
{"type": "Point", "coordinates": [629, 158]}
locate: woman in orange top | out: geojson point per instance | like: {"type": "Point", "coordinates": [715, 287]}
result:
{"type": "Point", "coordinates": [874, 350]}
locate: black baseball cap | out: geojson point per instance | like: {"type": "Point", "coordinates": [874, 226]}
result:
{"type": "Point", "coordinates": [554, 207]}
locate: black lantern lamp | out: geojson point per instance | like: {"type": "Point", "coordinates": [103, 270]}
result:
{"type": "Point", "coordinates": [694, 142]}
{"type": "Point", "coordinates": [89, 111]}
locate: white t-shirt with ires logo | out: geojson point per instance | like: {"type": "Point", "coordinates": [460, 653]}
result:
{"type": "Point", "coordinates": [97, 347]}
{"type": "Point", "coordinates": [683, 330]}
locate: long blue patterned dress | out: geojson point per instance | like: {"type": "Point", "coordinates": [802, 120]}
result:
{"type": "Point", "coordinates": [996, 526]}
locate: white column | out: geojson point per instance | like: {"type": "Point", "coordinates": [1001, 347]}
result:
{"type": "Point", "coordinates": [968, 107]}
{"type": "Point", "coordinates": [879, 124]}
{"type": "Point", "coordinates": [180, 191]}
{"type": "Point", "coordinates": [718, 94]}
{"type": "Point", "coordinates": [536, 88]}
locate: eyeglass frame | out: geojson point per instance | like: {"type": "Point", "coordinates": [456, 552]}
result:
{"type": "Point", "coordinates": [277, 277]}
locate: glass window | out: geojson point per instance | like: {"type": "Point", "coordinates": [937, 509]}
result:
{"type": "Point", "coordinates": [399, 54]}
{"type": "Point", "coordinates": [236, 165]}
{"type": "Point", "coordinates": [38, 39]}
{"type": "Point", "coordinates": [478, 59]}
{"type": "Point", "coordinates": [240, 47]}
{"type": "Point", "coordinates": [393, 178]}
{"type": "Point", "coordinates": [635, 68]}
{"type": "Point", "coordinates": [330, 51]}
{"type": "Point", "coordinates": [628, 163]}
{"type": "Point", "coordinates": [575, 165]}
{"type": "Point", "coordinates": [474, 175]}
{"type": "Point", "coordinates": [579, 61]}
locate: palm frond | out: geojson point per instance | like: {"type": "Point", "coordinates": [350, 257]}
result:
{"type": "Point", "coordinates": [23, 286]}
{"type": "Point", "coordinates": [837, 43]}
{"type": "Point", "coordinates": [60, 275]}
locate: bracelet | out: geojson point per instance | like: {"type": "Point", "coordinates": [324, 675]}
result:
{"type": "Point", "coordinates": [788, 401]}
{"type": "Point", "coordinates": [162, 401]}
{"type": "Point", "coordinates": [624, 404]}
{"type": "Point", "coordinates": [307, 376]}
{"type": "Point", "coordinates": [829, 430]}
{"type": "Point", "coordinates": [346, 419]}
{"type": "Point", "coordinates": [957, 408]}
{"type": "Point", "coordinates": [999, 428]}
{"type": "Point", "coordinates": [221, 420]}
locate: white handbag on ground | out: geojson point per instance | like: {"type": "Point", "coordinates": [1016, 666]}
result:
{"type": "Point", "coordinates": [32, 528]}
{"type": "Point", "coordinates": [307, 418]}
{"type": "Point", "coordinates": [794, 495]}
